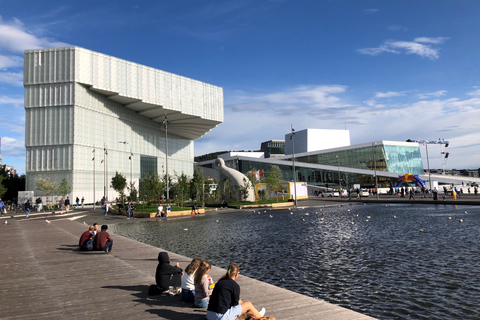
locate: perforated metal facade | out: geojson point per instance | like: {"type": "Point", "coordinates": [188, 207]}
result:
{"type": "Point", "coordinates": [79, 103]}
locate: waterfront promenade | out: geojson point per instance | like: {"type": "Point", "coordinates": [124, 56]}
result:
{"type": "Point", "coordinates": [44, 275]}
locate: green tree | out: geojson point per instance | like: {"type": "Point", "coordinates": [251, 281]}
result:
{"type": "Point", "coordinates": [119, 183]}
{"type": "Point", "coordinates": [245, 188]}
{"type": "Point", "coordinates": [273, 179]}
{"type": "Point", "coordinates": [132, 191]}
{"type": "Point", "coordinates": [252, 177]}
{"type": "Point", "coordinates": [182, 186]}
{"type": "Point", "coordinates": [196, 186]}
{"type": "Point", "coordinates": [3, 189]}
{"type": "Point", "coordinates": [13, 183]}
{"type": "Point", "coordinates": [46, 186]}
{"type": "Point", "coordinates": [63, 189]}
{"type": "Point", "coordinates": [152, 189]}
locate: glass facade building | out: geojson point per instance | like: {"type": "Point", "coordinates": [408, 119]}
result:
{"type": "Point", "coordinates": [347, 165]}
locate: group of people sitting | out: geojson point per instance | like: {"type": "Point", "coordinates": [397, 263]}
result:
{"type": "Point", "coordinates": [93, 240]}
{"type": "Point", "coordinates": [222, 299]}
{"type": "Point", "coordinates": [163, 213]}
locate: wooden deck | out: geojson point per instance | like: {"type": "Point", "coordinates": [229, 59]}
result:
{"type": "Point", "coordinates": [44, 276]}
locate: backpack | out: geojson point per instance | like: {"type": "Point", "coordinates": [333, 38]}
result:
{"type": "Point", "coordinates": [87, 245]}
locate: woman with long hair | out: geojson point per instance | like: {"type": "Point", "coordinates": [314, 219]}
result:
{"type": "Point", "coordinates": [225, 302]}
{"type": "Point", "coordinates": [188, 284]}
{"type": "Point", "coordinates": [203, 285]}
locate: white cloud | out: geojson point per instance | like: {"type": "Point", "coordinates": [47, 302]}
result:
{"type": "Point", "coordinates": [389, 94]}
{"type": "Point", "coordinates": [10, 62]}
{"type": "Point", "coordinates": [12, 78]}
{"type": "Point", "coordinates": [435, 94]}
{"type": "Point", "coordinates": [8, 100]}
{"type": "Point", "coordinates": [13, 147]}
{"type": "Point", "coordinates": [417, 47]}
{"type": "Point", "coordinates": [14, 37]}
{"type": "Point", "coordinates": [474, 93]}
{"type": "Point", "coordinates": [435, 40]}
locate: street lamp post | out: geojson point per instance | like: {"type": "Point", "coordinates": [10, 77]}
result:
{"type": "Point", "coordinates": [165, 123]}
{"type": "Point", "coordinates": [105, 154]}
{"type": "Point", "coordinates": [293, 164]}
{"type": "Point", "coordinates": [428, 165]}
{"type": "Point", "coordinates": [93, 160]}
{"type": "Point", "coordinates": [375, 166]}
{"type": "Point", "coordinates": [339, 181]}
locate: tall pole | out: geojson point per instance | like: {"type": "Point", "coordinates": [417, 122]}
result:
{"type": "Point", "coordinates": [375, 166]}
{"type": "Point", "coordinates": [293, 164]}
{"type": "Point", "coordinates": [428, 165]}
{"type": "Point", "coordinates": [130, 158]}
{"type": "Point", "coordinates": [339, 181]}
{"type": "Point", "coordinates": [93, 159]}
{"type": "Point", "coordinates": [165, 123]}
{"type": "Point", "coordinates": [104, 173]}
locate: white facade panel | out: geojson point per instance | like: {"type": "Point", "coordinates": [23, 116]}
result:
{"type": "Point", "coordinates": [308, 140]}
{"type": "Point", "coordinates": [80, 103]}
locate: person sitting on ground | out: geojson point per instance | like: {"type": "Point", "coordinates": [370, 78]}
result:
{"type": "Point", "coordinates": [86, 239]}
{"type": "Point", "coordinates": [196, 208]}
{"type": "Point", "coordinates": [188, 285]}
{"type": "Point", "coordinates": [95, 228]}
{"type": "Point", "coordinates": [103, 241]}
{"type": "Point", "coordinates": [225, 302]}
{"type": "Point", "coordinates": [203, 285]}
{"type": "Point", "coordinates": [166, 274]}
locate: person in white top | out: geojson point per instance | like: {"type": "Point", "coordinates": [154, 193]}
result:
{"type": "Point", "coordinates": [159, 211]}
{"type": "Point", "coordinates": [188, 285]}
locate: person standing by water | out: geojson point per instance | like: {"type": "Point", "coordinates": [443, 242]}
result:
{"type": "Point", "coordinates": [225, 302]}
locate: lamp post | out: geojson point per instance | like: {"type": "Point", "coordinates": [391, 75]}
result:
{"type": "Point", "coordinates": [428, 165]}
{"type": "Point", "coordinates": [339, 181]}
{"type": "Point", "coordinates": [293, 164]}
{"type": "Point", "coordinates": [165, 123]}
{"type": "Point", "coordinates": [93, 159]}
{"type": "Point", "coordinates": [105, 190]}
{"type": "Point", "coordinates": [375, 166]}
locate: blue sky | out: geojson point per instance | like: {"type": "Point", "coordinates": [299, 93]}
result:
{"type": "Point", "coordinates": [385, 70]}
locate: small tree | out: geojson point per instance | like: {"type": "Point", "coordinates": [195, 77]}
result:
{"type": "Point", "coordinates": [132, 191]}
{"type": "Point", "coordinates": [119, 182]}
{"type": "Point", "coordinates": [245, 188]}
{"type": "Point", "coordinates": [153, 187]}
{"type": "Point", "coordinates": [273, 180]}
{"type": "Point", "coordinates": [63, 189]}
{"type": "Point", "coordinates": [46, 186]}
{"type": "Point", "coordinates": [196, 187]}
{"type": "Point", "coordinates": [2, 187]}
{"type": "Point", "coordinates": [182, 187]}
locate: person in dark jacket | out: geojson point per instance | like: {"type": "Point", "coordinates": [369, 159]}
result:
{"type": "Point", "coordinates": [167, 275]}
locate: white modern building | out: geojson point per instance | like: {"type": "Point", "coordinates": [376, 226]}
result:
{"type": "Point", "coordinates": [89, 115]}
{"type": "Point", "coordinates": [309, 140]}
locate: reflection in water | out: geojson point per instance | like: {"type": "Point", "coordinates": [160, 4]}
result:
{"type": "Point", "coordinates": [382, 266]}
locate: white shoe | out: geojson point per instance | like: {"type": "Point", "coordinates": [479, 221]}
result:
{"type": "Point", "coordinates": [262, 312]}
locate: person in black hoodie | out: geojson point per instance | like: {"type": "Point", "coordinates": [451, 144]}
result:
{"type": "Point", "coordinates": [167, 275]}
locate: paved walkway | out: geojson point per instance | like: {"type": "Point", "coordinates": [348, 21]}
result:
{"type": "Point", "coordinates": [43, 276]}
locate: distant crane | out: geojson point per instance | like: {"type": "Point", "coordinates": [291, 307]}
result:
{"type": "Point", "coordinates": [441, 142]}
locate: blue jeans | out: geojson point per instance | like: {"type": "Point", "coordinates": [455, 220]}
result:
{"type": "Point", "coordinates": [201, 303]}
{"type": "Point", "coordinates": [108, 246]}
{"type": "Point", "coordinates": [27, 211]}
{"type": "Point", "coordinates": [188, 295]}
